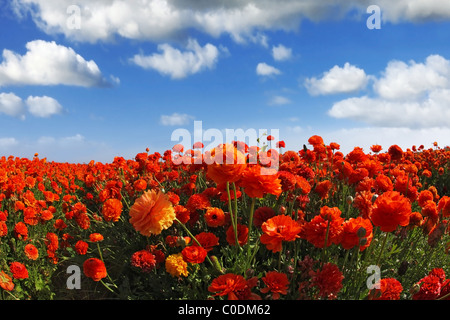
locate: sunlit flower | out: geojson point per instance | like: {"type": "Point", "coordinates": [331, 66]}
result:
{"type": "Point", "coordinates": [390, 210]}
{"type": "Point", "coordinates": [152, 213]}
{"type": "Point", "coordinates": [95, 269]}
{"type": "Point", "coordinates": [176, 266]}
{"type": "Point", "coordinates": [276, 282]}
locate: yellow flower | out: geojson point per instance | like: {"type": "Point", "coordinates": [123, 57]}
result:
{"type": "Point", "coordinates": [176, 266]}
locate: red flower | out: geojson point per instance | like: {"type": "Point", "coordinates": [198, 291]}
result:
{"type": "Point", "coordinates": [323, 188]}
{"type": "Point", "coordinates": [262, 214]}
{"type": "Point", "coordinates": [194, 254]}
{"type": "Point", "coordinates": [278, 229]}
{"type": "Point", "coordinates": [277, 283]}
{"type": "Point", "coordinates": [81, 247]}
{"type": "Point", "coordinates": [198, 202]}
{"type": "Point", "coordinates": [328, 281]}
{"type": "Point", "coordinates": [390, 210]}
{"type": "Point", "coordinates": [234, 286]}
{"type": "Point", "coordinates": [207, 240]}
{"type": "Point", "coordinates": [242, 232]}
{"type": "Point", "coordinates": [94, 268]}
{"type": "Point", "coordinates": [326, 225]}
{"type": "Point", "coordinates": [357, 232]}
{"type": "Point", "coordinates": [390, 289]}
{"type": "Point", "coordinates": [18, 270]}
{"type": "Point", "coordinates": [395, 152]}
{"type": "Point", "coordinates": [144, 260]}
{"type": "Point", "coordinates": [182, 213]}
{"type": "Point", "coordinates": [444, 206]}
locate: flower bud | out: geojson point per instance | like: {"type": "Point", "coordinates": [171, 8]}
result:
{"type": "Point", "coordinates": [349, 199]}
{"type": "Point", "coordinates": [361, 233]}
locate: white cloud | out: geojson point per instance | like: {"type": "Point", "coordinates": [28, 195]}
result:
{"type": "Point", "coordinates": [279, 100]}
{"type": "Point", "coordinates": [7, 143]}
{"type": "Point", "coordinates": [338, 80]}
{"type": "Point", "coordinates": [178, 64]}
{"type": "Point", "coordinates": [43, 107]}
{"type": "Point", "coordinates": [414, 95]}
{"type": "Point", "coordinates": [281, 52]}
{"type": "Point", "coordinates": [243, 20]}
{"type": "Point", "coordinates": [402, 81]}
{"type": "Point", "coordinates": [175, 119]}
{"type": "Point", "coordinates": [47, 63]}
{"type": "Point", "coordinates": [12, 105]}
{"type": "Point", "coordinates": [263, 69]}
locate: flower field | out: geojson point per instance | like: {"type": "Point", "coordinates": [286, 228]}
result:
{"type": "Point", "coordinates": [322, 225]}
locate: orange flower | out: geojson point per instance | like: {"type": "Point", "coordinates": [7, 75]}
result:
{"type": "Point", "coordinates": [112, 209]}
{"type": "Point", "coordinates": [390, 210]}
{"type": "Point", "coordinates": [357, 232]}
{"type": "Point", "coordinates": [31, 251]}
{"type": "Point", "coordinates": [6, 282]}
{"type": "Point", "coordinates": [225, 164]}
{"type": "Point", "coordinates": [214, 217]}
{"type": "Point", "coordinates": [326, 225]}
{"type": "Point", "coordinates": [176, 266]}
{"type": "Point", "coordinates": [424, 196]}
{"type": "Point", "coordinates": [234, 286]}
{"type": "Point", "coordinates": [194, 254]}
{"type": "Point", "coordinates": [95, 237]}
{"type": "Point", "coordinates": [278, 229]}
{"type": "Point", "coordinates": [444, 206]}
{"type": "Point", "coordinates": [257, 183]}
{"type": "Point", "coordinates": [21, 231]}
{"type": "Point", "coordinates": [151, 213]}
{"type": "Point", "coordinates": [277, 283]}
{"type": "Point", "coordinates": [376, 148]}
{"type": "Point", "coordinates": [95, 269]}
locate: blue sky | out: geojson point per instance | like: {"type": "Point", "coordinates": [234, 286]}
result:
{"type": "Point", "coordinates": [116, 77]}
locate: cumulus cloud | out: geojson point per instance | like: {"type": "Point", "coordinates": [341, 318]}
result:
{"type": "Point", "coordinates": [179, 64]}
{"type": "Point", "coordinates": [43, 107]}
{"type": "Point", "coordinates": [175, 119]}
{"type": "Point", "coordinates": [47, 63]}
{"type": "Point", "coordinates": [12, 105]}
{"type": "Point", "coordinates": [345, 79]}
{"type": "Point", "coordinates": [263, 69]}
{"type": "Point", "coordinates": [243, 20]}
{"type": "Point", "coordinates": [405, 95]}
{"type": "Point", "coordinates": [281, 53]}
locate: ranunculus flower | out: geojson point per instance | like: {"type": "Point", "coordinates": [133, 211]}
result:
{"type": "Point", "coordinates": [152, 213]}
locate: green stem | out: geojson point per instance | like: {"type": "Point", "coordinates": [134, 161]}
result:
{"type": "Point", "coordinates": [232, 216]}
{"type": "Point", "coordinates": [382, 248]}
{"type": "Point", "coordinates": [193, 238]}
{"type": "Point", "coordinates": [326, 242]}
